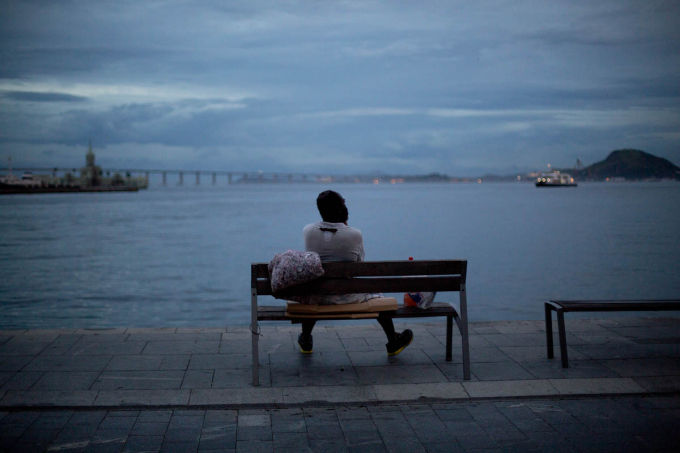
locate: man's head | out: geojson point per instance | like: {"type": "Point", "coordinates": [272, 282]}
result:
{"type": "Point", "coordinates": [332, 207]}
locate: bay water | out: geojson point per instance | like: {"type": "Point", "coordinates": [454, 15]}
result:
{"type": "Point", "coordinates": [180, 256]}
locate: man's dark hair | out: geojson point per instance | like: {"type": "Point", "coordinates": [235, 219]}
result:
{"type": "Point", "coordinates": [332, 207]}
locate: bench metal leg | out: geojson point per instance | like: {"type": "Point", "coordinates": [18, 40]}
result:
{"type": "Point", "coordinates": [563, 339]}
{"type": "Point", "coordinates": [255, 336]}
{"type": "Point", "coordinates": [464, 333]}
{"type": "Point", "coordinates": [449, 335]}
{"type": "Point", "coordinates": [549, 331]}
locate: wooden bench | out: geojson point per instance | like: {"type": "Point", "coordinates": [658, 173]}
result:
{"type": "Point", "coordinates": [372, 277]}
{"type": "Point", "coordinates": [560, 307]}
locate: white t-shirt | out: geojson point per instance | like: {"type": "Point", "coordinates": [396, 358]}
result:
{"type": "Point", "coordinates": [336, 242]}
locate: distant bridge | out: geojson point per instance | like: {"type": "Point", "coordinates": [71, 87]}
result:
{"type": "Point", "coordinates": [231, 176]}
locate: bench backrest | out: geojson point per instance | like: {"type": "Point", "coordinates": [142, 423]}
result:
{"type": "Point", "coordinates": [372, 277]}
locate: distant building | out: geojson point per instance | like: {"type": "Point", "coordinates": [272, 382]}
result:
{"type": "Point", "coordinates": [90, 174]}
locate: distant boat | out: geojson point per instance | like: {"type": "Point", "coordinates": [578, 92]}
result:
{"type": "Point", "coordinates": [555, 179]}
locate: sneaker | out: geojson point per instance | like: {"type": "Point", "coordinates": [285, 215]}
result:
{"type": "Point", "coordinates": [399, 344]}
{"type": "Point", "coordinates": [306, 343]}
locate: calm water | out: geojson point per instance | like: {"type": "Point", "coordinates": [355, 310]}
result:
{"type": "Point", "coordinates": [180, 256]}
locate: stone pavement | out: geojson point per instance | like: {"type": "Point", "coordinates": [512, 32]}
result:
{"type": "Point", "coordinates": [207, 367]}
{"type": "Point", "coordinates": [147, 389]}
{"type": "Point", "coordinates": [610, 424]}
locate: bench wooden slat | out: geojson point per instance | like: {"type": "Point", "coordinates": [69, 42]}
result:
{"type": "Point", "coordinates": [380, 268]}
{"type": "Point", "coordinates": [365, 285]}
{"type": "Point", "coordinates": [278, 312]}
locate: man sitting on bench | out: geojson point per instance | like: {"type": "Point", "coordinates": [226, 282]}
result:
{"type": "Point", "coordinates": [334, 240]}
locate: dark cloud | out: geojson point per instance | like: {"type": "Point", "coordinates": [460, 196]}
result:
{"type": "Point", "coordinates": [34, 96]}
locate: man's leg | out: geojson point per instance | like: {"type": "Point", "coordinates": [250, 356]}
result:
{"type": "Point", "coordinates": [396, 342]}
{"type": "Point", "coordinates": [305, 340]}
{"type": "Point", "coordinates": [307, 326]}
{"type": "Point", "coordinates": [387, 325]}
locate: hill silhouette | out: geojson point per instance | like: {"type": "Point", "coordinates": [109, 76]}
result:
{"type": "Point", "coordinates": [630, 164]}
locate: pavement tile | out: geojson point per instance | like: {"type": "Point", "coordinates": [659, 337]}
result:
{"type": "Point", "coordinates": [26, 398]}
{"type": "Point", "coordinates": [87, 418]}
{"type": "Point", "coordinates": [328, 394]}
{"type": "Point", "coordinates": [325, 359]}
{"type": "Point", "coordinates": [400, 374]}
{"type": "Point", "coordinates": [175, 347]}
{"type": "Point", "coordinates": [446, 447]}
{"type": "Point", "coordinates": [14, 362]}
{"type": "Point", "coordinates": [142, 397]}
{"type": "Point", "coordinates": [65, 380]}
{"type": "Point", "coordinates": [108, 333]}
{"type": "Point", "coordinates": [220, 361]}
{"type": "Point", "coordinates": [312, 376]}
{"type": "Point", "coordinates": [288, 421]}
{"type": "Point", "coordinates": [663, 384]}
{"type": "Point", "coordinates": [536, 353]}
{"type": "Point", "coordinates": [290, 441]}
{"type": "Point", "coordinates": [407, 445]}
{"type": "Point", "coordinates": [362, 437]}
{"type": "Point", "coordinates": [488, 354]}
{"type": "Point", "coordinates": [330, 431]}
{"type": "Point", "coordinates": [394, 429]}
{"type": "Point", "coordinates": [23, 345]}
{"type": "Point", "coordinates": [254, 446]}
{"type": "Point", "coordinates": [194, 379]}
{"type": "Point", "coordinates": [149, 428]}
{"type": "Point", "coordinates": [173, 446]}
{"type": "Point", "coordinates": [254, 433]}
{"type": "Point", "coordinates": [644, 367]}
{"type": "Point", "coordinates": [140, 443]}
{"type": "Point", "coordinates": [203, 333]}
{"type": "Point", "coordinates": [355, 344]}
{"type": "Point", "coordinates": [23, 380]}
{"type": "Point", "coordinates": [92, 347]}
{"type": "Point", "coordinates": [498, 389]}
{"type": "Point", "coordinates": [237, 378]}
{"type": "Point", "coordinates": [546, 369]}
{"type": "Point", "coordinates": [631, 351]}
{"type": "Point", "coordinates": [596, 386]}
{"type": "Point", "coordinates": [183, 434]}
{"type": "Point", "coordinates": [134, 363]}
{"type": "Point", "coordinates": [409, 357]}
{"type": "Point", "coordinates": [251, 395]}
{"type": "Point", "coordinates": [552, 413]}
{"type": "Point", "coordinates": [498, 371]}
{"type": "Point", "coordinates": [175, 362]}
{"type": "Point", "coordinates": [516, 339]}
{"type": "Point", "coordinates": [138, 380]}
{"type": "Point", "coordinates": [452, 371]}
{"type": "Point", "coordinates": [68, 363]}
{"type": "Point", "coordinates": [402, 392]}
{"type": "Point", "coordinates": [218, 440]}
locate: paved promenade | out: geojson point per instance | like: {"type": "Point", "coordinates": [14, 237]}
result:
{"type": "Point", "coordinates": [190, 389]}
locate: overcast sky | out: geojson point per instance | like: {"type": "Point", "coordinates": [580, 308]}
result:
{"type": "Point", "coordinates": [411, 87]}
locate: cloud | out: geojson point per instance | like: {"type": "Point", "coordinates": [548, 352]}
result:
{"type": "Point", "coordinates": [36, 96]}
{"type": "Point", "coordinates": [453, 86]}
